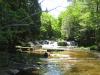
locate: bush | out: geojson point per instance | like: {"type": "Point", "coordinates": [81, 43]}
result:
{"type": "Point", "coordinates": [62, 44]}
{"type": "Point", "coordinates": [94, 47]}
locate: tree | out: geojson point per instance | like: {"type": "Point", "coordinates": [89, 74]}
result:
{"type": "Point", "coordinates": [49, 28]}
{"type": "Point", "coordinates": [77, 24]}
{"type": "Point", "coordinates": [70, 23]}
{"type": "Point", "coordinates": [20, 21]}
{"type": "Point", "coordinates": [94, 8]}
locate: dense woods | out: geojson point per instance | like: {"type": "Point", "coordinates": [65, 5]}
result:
{"type": "Point", "coordinates": [23, 21]}
{"type": "Point", "coordinates": [34, 42]}
{"type": "Point", "coordinates": [80, 22]}
{"type": "Point", "coordinates": [19, 22]}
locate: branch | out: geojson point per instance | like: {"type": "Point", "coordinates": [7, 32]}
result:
{"type": "Point", "coordinates": [38, 13]}
{"type": "Point", "coordinates": [42, 1]}
{"type": "Point", "coordinates": [54, 8]}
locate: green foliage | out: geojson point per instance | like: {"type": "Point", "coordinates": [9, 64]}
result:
{"type": "Point", "coordinates": [80, 22]}
{"type": "Point", "coordinates": [20, 21]}
{"type": "Point", "coordinates": [46, 28]}
{"type": "Point", "coordinates": [94, 47]}
{"type": "Point", "coordinates": [70, 23]}
{"type": "Point", "coordinates": [50, 28]}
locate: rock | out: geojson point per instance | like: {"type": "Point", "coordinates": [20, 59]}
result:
{"type": "Point", "coordinates": [13, 71]}
{"type": "Point", "coordinates": [46, 55]}
{"type": "Point", "coordinates": [29, 71]}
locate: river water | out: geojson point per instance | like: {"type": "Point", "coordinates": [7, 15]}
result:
{"type": "Point", "coordinates": [63, 63]}
{"type": "Point", "coordinates": [71, 63]}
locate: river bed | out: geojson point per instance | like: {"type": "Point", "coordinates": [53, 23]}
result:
{"type": "Point", "coordinates": [61, 63]}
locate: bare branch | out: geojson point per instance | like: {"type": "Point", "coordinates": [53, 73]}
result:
{"type": "Point", "coordinates": [54, 8]}
{"type": "Point", "coordinates": [41, 1]}
{"type": "Point", "coordinates": [38, 13]}
{"type": "Point", "coordinates": [14, 25]}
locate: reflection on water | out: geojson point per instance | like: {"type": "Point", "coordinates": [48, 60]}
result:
{"type": "Point", "coordinates": [52, 69]}
{"type": "Point", "coordinates": [49, 68]}
{"type": "Point", "coordinates": [54, 66]}
{"type": "Point", "coordinates": [82, 63]}
{"type": "Point", "coordinates": [62, 63]}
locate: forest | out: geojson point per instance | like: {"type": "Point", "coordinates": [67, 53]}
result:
{"type": "Point", "coordinates": [23, 25]}
{"type": "Point", "coordinates": [23, 20]}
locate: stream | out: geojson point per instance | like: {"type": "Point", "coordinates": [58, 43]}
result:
{"type": "Point", "coordinates": [60, 63]}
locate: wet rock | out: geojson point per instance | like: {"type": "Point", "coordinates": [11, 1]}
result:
{"type": "Point", "coordinates": [46, 55]}
{"type": "Point", "coordinates": [29, 71]}
{"type": "Point", "coordinates": [13, 71]}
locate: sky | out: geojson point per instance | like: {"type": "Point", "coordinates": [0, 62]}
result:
{"type": "Point", "coordinates": [57, 5]}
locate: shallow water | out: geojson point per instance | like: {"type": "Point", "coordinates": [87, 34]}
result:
{"type": "Point", "coordinates": [71, 63]}
{"type": "Point", "coordinates": [53, 66]}
{"type": "Point", "coordinates": [63, 63]}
